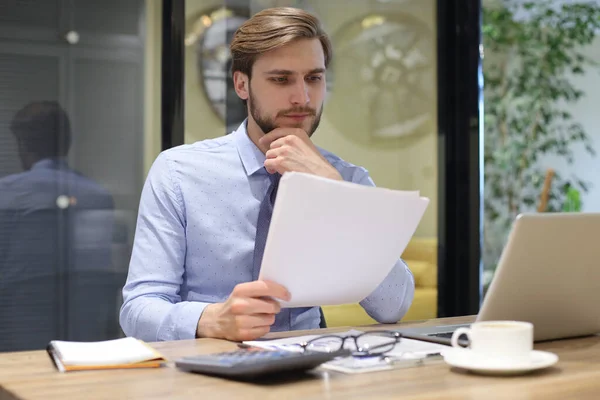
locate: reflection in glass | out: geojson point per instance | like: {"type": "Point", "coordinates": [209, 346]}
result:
{"type": "Point", "coordinates": [210, 33]}
{"type": "Point", "coordinates": [384, 63]}
{"type": "Point", "coordinates": [56, 229]}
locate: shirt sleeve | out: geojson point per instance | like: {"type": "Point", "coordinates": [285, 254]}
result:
{"type": "Point", "coordinates": [390, 301]}
{"type": "Point", "coordinates": [152, 309]}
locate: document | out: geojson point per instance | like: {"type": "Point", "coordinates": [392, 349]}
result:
{"type": "Point", "coordinates": [406, 353]}
{"type": "Point", "coordinates": [332, 242]}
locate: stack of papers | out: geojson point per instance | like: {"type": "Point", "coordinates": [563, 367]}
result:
{"type": "Point", "coordinates": [110, 354]}
{"type": "Point", "coordinates": [332, 242]}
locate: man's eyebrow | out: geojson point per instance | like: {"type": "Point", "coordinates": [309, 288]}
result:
{"type": "Point", "coordinates": [289, 72]}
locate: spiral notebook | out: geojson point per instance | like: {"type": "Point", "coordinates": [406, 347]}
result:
{"type": "Point", "coordinates": [110, 354]}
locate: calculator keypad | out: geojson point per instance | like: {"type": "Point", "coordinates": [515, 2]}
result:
{"type": "Point", "coordinates": [244, 356]}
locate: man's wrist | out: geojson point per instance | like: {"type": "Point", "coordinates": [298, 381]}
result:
{"type": "Point", "coordinates": [207, 324]}
{"type": "Point", "coordinates": [335, 174]}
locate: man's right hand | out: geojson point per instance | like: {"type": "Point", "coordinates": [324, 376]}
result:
{"type": "Point", "coordinates": [247, 314]}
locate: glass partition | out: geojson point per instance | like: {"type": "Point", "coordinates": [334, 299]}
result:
{"type": "Point", "coordinates": [71, 166]}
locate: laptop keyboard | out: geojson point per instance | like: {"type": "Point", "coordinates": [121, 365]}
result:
{"type": "Point", "coordinates": [447, 335]}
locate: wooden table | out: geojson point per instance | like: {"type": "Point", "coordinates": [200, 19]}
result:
{"type": "Point", "coordinates": [31, 375]}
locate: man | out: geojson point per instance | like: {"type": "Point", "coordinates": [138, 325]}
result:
{"type": "Point", "coordinates": [55, 231]}
{"type": "Point", "coordinates": [201, 225]}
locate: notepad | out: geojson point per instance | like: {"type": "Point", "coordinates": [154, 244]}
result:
{"type": "Point", "coordinates": [110, 354]}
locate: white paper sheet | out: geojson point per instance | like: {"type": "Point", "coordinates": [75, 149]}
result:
{"type": "Point", "coordinates": [405, 348]}
{"type": "Point", "coordinates": [333, 242]}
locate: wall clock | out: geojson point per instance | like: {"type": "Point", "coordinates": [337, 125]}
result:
{"type": "Point", "coordinates": [385, 82]}
{"type": "Point", "coordinates": [211, 33]}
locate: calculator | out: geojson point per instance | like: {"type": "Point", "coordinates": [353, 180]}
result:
{"type": "Point", "coordinates": [255, 362]}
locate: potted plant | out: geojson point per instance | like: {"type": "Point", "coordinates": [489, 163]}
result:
{"type": "Point", "coordinates": [532, 48]}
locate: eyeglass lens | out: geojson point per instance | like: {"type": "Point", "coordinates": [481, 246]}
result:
{"type": "Point", "coordinates": [368, 343]}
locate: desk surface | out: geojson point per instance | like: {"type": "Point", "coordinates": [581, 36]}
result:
{"type": "Point", "coordinates": [31, 375]}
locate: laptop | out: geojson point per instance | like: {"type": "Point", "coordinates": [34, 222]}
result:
{"type": "Point", "coordinates": [548, 274]}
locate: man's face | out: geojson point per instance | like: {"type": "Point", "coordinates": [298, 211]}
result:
{"type": "Point", "coordinates": [287, 88]}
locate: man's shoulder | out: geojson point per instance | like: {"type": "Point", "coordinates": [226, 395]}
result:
{"type": "Point", "coordinates": [8, 188]}
{"type": "Point", "coordinates": [207, 146]}
{"type": "Point", "coordinates": [205, 155]}
{"type": "Point", "coordinates": [10, 180]}
{"type": "Point", "coordinates": [91, 189]}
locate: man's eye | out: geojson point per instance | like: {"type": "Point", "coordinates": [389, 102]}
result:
{"type": "Point", "coordinates": [279, 79]}
{"type": "Point", "coordinates": [315, 78]}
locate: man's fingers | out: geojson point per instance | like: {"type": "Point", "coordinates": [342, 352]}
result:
{"type": "Point", "coordinates": [274, 153]}
{"type": "Point", "coordinates": [249, 305]}
{"type": "Point", "coordinates": [261, 289]}
{"type": "Point", "coordinates": [289, 140]}
{"type": "Point", "coordinates": [272, 136]}
{"type": "Point", "coordinates": [275, 165]}
{"type": "Point", "coordinates": [279, 134]}
{"type": "Point", "coordinates": [250, 334]}
{"type": "Point", "coordinates": [254, 321]}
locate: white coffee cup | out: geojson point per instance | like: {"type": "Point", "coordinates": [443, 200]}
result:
{"type": "Point", "coordinates": [502, 341]}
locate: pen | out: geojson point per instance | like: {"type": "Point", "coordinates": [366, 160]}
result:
{"type": "Point", "coordinates": [250, 347]}
{"type": "Point", "coordinates": [400, 362]}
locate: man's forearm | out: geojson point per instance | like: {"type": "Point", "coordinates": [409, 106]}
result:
{"type": "Point", "coordinates": [152, 318]}
{"type": "Point", "coordinates": [393, 297]}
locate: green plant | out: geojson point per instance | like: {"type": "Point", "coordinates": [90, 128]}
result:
{"type": "Point", "coordinates": [531, 50]}
{"type": "Point", "coordinates": [572, 201]}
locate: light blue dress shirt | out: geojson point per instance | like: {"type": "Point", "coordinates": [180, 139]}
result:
{"type": "Point", "coordinates": [29, 213]}
{"type": "Point", "coordinates": [194, 240]}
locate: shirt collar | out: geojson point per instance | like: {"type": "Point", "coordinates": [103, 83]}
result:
{"type": "Point", "coordinates": [252, 157]}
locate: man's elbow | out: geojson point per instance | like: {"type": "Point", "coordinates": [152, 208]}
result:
{"type": "Point", "coordinates": [394, 313]}
{"type": "Point", "coordinates": [125, 320]}
{"type": "Point", "coordinates": [129, 319]}
{"type": "Point", "coordinates": [392, 309]}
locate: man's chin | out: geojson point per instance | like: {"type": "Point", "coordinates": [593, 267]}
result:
{"type": "Point", "coordinates": [296, 125]}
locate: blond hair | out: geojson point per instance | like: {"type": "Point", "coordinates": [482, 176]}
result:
{"type": "Point", "coordinates": [270, 29]}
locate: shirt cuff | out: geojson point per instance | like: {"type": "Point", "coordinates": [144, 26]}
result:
{"type": "Point", "coordinates": [182, 322]}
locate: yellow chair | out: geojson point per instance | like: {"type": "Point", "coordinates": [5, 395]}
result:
{"type": "Point", "coordinates": [421, 257]}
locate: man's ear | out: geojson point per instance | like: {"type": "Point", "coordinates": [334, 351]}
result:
{"type": "Point", "coordinates": [241, 83]}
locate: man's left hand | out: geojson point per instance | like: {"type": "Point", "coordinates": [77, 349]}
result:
{"type": "Point", "coordinates": [290, 149]}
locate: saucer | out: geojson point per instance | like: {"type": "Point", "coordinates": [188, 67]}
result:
{"type": "Point", "coordinates": [466, 359]}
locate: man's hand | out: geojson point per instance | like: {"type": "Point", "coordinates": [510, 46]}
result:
{"type": "Point", "coordinates": [247, 314]}
{"type": "Point", "coordinates": [290, 149]}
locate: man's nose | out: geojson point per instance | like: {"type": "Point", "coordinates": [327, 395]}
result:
{"type": "Point", "coordinates": [299, 95]}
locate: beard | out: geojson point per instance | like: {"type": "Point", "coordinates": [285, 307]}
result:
{"type": "Point", "coordinates": [267, 124]}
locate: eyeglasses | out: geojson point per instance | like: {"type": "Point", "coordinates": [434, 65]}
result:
{"type": "Point", "coordinates": [366, 344]}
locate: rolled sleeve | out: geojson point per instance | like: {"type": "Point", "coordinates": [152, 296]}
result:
{"type": "Point", "coordinates": [152, 309]}
{"type": "Point", "coordinates": [391, 300]}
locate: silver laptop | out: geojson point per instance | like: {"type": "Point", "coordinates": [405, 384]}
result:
{"type": "Point", "coordinates": [548, 274]}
